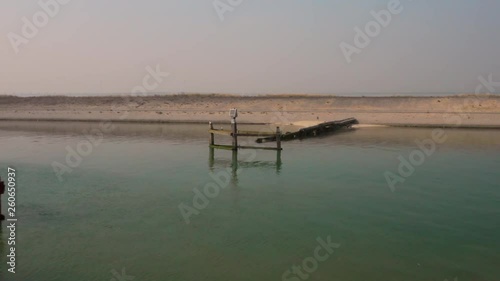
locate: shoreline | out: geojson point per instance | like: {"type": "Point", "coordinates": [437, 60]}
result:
{"type": "Point", "coordinates": [199, 122]}
{"type": "Point", "coordinates": [459, 111]}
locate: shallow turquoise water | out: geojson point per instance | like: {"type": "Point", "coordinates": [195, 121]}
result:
{"type": "Point", "coordinates": [119, 209]}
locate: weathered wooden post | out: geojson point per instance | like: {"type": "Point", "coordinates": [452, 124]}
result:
{"type": "Point", "coordinates": [211, 158]}
{"type": "Point", "coordinates": [2, 191]}
{"type": "Point", "coordinates": [278, 138]}
{"type": "Point", "coordinates": [234, 127]}
{"type": "Point", "coordinates": [211, 139]}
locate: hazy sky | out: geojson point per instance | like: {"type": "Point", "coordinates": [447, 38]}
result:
{"type": "Point", "coordinates": [261, 46]}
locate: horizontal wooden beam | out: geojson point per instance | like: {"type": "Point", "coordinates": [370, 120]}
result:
{"type": "Point", "coordinates": [242, 133]}
{"type": "Point", "coordinates": [230, 147]}
{"type": "Point", "coordinates": [254, 134]}
{"type": "Point", "coordinates": [219, 146]}
{"type": "Point", "coordinates": [260, 147]}
{"type": "Point", "coordinates": [220, 132]}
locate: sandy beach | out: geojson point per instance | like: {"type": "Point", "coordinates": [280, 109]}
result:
{"type": "Point", "coordinates": [299, 110]}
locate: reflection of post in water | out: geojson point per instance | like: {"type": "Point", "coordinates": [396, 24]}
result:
{"type": "Point", "coordinates": [234, 168]}
{"type": "Point", "coordinates": [278, 162]}
{"type": "Point", "coordinates": [211, 158]}
{"type": "Point", "coordinates": [235, 164]}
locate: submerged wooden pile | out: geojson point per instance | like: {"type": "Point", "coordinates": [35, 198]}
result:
{"type": "Point", "coordinates": [313, 131]}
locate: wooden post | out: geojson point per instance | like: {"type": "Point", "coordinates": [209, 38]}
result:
{"type": "Point", "coordinates": [234, 133]}
{"type": "Point", "coordinates": [211, 127]}
{"type": "Point", "coordinates": [233, 113]}
{"type": "Point", "coordinates": [278, 138]}
{"type": "Point", "coordinates": [2, 190]}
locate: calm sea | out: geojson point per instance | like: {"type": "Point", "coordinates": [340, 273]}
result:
{"type": "Point", "coordinates": [114, 213]}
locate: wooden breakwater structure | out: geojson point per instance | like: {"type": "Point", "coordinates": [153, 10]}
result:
{"type": "Point", "coordinates": [313, 131]}
{"type": "Point", "coordinates": [278, 137]}
{"type": "Point", "coordinates": [234, 133]}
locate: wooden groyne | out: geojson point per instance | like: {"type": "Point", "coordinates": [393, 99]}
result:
{"type": "Point", "coordinates": [313, 131]}
{"type": "Point", "coordinates": [234, 133]}
{"type": "Point", "coordinates": [278, 137]}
